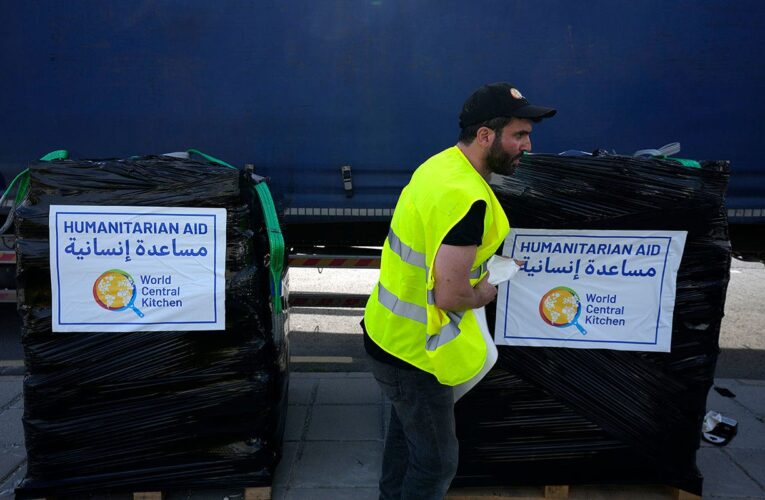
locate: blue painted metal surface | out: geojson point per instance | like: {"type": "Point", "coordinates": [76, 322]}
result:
{"type": "Point", "coordinates": [302, 87]}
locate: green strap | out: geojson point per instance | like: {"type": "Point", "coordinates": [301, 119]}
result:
{"type": "Point", "coordinates": [275, 243]}
{"type": "Point", "coordinates": [210, 158]}
{"type": "Point", "coordinates": [682, 161]}
{"type": "Point", "coordinates": [685, 162]}
{"type": "Point", "coordinates": [23, 189]}
{"type": "Point", "coordinates": [59, 154]}
{"type": "Point", "coordinates": [23, 177]}
{"type": "Point", "coordinates": [275, 238]}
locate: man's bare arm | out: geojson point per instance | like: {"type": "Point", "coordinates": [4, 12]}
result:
{"type": "Point", "coordinates": [452, 272]}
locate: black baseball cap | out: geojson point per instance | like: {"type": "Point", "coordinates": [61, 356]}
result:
{"type": "Point", "coordinates": [499, 99]}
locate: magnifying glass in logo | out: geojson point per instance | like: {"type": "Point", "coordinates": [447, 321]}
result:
{"type": "Point", "coordinates": [115, 290]}
{"type": "Point", "coordinates": [561, 307]}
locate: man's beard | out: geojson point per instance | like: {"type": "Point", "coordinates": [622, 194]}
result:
{"type": "Point", "coordinates": [499, 161]}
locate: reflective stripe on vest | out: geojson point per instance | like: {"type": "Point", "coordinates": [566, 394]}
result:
{"type": "Point", "coordinates": [477, 272]}
{"type": "Point", "coordinates": [416, 313]}
{"type": "Point", "coordinates": [401, 308]}
{"type": "Point", "coordinates": [447, 334]}
{"type": "Point", "coordinates": [405, 252]}
{"type": "Point", "coordinates": [415, 258]}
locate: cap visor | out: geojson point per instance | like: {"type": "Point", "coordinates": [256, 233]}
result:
{"type": "Point", "coordinates": [534, 112]}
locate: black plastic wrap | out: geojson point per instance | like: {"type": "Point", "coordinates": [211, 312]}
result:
{"type": "Point", "coordinates": [150, 410]}
{"type": "Point", "coordinates": [584, 416]}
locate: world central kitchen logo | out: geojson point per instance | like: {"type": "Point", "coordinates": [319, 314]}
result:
{"type": "Point", "coordinates": [116, 290]}
{"type": "Point", "coordinates": [561, 307]}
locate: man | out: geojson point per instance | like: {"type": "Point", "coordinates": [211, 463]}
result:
{"type": "Point", "coordinates": [419, 329]}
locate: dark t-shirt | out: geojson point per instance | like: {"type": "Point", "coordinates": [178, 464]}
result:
{"type": "Point", "coordinates": [468, 231]}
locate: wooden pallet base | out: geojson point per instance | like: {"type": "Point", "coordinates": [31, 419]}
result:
{"type": "Point", "coordinates": [262, 493]}
{"type": "Point", "coordinates": [607, 492]}
{"type": "Point", "coordinates": [257, 493]}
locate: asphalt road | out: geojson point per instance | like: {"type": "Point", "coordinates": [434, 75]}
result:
{"type": "Point", "coordinates": [742, 336]}
{"type": "Point", "coordinates": [330, 340]}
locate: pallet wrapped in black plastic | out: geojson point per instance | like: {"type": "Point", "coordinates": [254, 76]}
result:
{"type": "Point", "coordinates": [160, 410]}
{"type": "Point", "coordinates": [549, 416]}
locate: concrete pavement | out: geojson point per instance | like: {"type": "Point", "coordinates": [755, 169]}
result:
{"type": "Point", "coordinates": [334, 439]}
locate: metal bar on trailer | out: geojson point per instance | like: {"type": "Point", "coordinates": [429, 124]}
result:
{"type": "Point", "coordinates": [347, 261]}
{"type": "Point", "coordinates": [321, 299]}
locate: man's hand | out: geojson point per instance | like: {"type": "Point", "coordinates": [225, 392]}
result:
{"type": "Point", "coordinates": [485, 291]}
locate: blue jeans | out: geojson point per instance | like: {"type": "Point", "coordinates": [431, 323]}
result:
{"type": "Point", "coordinates": [421, 448]}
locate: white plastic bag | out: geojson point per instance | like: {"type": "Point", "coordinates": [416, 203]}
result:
{"type": "Point", "coordinates": [500, 269]}
{"type": "Point", "coordinates": [491, 356]}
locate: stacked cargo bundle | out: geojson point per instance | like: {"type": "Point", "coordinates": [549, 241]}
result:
{"type": "Point", "coordinates": [135, 403]}
{"type": "Point", "coordinates": [548, 415]}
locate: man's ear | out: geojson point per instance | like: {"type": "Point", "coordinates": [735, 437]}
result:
{"type": "Point", "coordinates": [485, 136]}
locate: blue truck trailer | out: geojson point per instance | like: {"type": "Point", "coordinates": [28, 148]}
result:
{"type": "Point", "coordinates": [338, 101]}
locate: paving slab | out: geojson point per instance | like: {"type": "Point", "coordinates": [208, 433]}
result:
{"type": "Point", "coordinates": [349, 391]}
{"type": "Point", "coordinates": [278, 492]}
{"type": "Point", "coordinates": [345, 423]}
{"type": "Point", "coordinates": [11, 428]}
{"type": "Point", "coordinates": [723, 478]}
{"type": "Point", "coordinates": [301, 390]}
{"type": "Point", "coordinates": [10, 460]}
{"type": "Point", "coordinates": [296, 422]}
{"type": "Point", "coordinates": [11, 455]}
{"type": "Point", "coordinates": [10, 389]}
{"type": "Point", "coordinates": [752, 461]}
{"type": "Point", "coordinates": [751, 396]}
{"type": "Point", "coordinates": [338, 465]}
{"type": "Point", "coordinates": [9, 484]}
{"type": "Point", "coordinates": [758, 383]}
{"type": "Point", "coordinates": [18, 404]}
{"type": "Point", "coordinates": [286, 464]}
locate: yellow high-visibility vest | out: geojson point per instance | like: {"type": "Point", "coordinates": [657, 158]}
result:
{"type": "Point", "coordinates": [401, 316]}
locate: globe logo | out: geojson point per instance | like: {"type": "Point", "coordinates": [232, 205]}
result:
{"type": "Point", "coordinates": [115, 290]}
{"type": "Point", "coordinates": [561, 307]}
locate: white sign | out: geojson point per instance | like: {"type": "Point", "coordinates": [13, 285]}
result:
{"type": "Point", "coordinates": [126, 269]}
{"type": "Point", "coordinates": [590, 289]}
